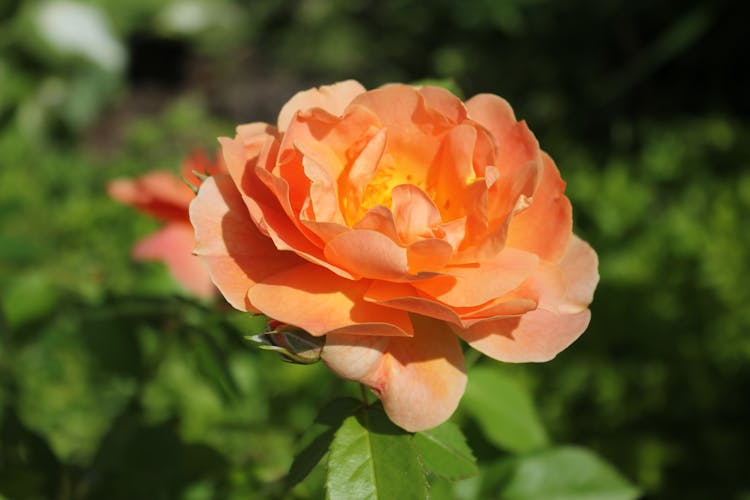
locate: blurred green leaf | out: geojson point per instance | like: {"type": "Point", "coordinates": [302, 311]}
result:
{"type": "Point", "coordinates": [504, 410]}
{"type": "Point", "coordinates": [317, 439]}
{"type": "Point", "coordinates": [443, 451]}
{"type": "Point", "coordinates": [564, 473]}
{"type": "Point", "coordinates": [64, 393]}
{"type": "Point", "coordinates": [29, 297]}
{"type": "Point", "coordinates": [372, 458]}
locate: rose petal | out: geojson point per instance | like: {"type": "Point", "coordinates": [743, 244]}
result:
{"type": "Point", "coordinates": [536, 336]}
{"type": "Point", "coordinates": [173, 244]}
{"type": "Point", "coordinates": [318, 301]}
{"type": "Point", "coordinates": [414, 135]}
{"type": "Point", "coordinates": [453, 170]}
{"type": "Point", "coordinates": [331, 98]}
{"type": "Point", "coordinates": [492, 112]}
{"type": "Point", "coordinates": [287, 233]}
{"type": "Point", "coordinates": [579, 269]}
{"type": "Point", "coordinates": [321, 166]}
{"type": "Point", "coordinates": [443, 104]}
{"type": "Point", "coordinates": [379, 219]}
{"type": "Point", "coordinates": [405, 297]}
{"type": "Point", "coordinates": [368, 254]}
{"type": "Point", "coordinates": [544, 228]}
{"type": "Point", "coordinates": [420, 380]}
{"type": "Point", "coordinates": [237, 254]}
{"type": "Point", "coordinates": [429, 255]}
{"type": "Point", "coordinates": [415, 214]}
{"type": "Point", "coordinates": [474, 285]}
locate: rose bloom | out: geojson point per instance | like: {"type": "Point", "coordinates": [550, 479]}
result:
{"type": "Point", "coordinates": [166, 197]}
{"type": "Point", "coordinates": [395, 222]}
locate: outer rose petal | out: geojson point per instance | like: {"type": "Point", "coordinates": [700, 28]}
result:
{"type": "Point", "coordinates": [235, 251]}
{"type": "Point", "coordinates": [492, 112]}
{"type": "Point", "coordinates": [579, 269]}
{"type": "Point", "coordinates": [318, 301]}
{"type": "Point", "coordinates": [536, 336]}
{"type": "Point", "coordinates": [173, 244]}
{"type": "Point", "coordinates": [419, 379]}
{"type": "Point", "coordinates": [332, 98]}
{"type": "Point", "coordinates": [546, 225]}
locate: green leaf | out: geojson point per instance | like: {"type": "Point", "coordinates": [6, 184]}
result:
{"type": "Point", "coordinates": [565, 473]}
{"type": "Point", "coordinates": [504, 410]}
{"type": "Point", "coordinates": [315, 442]}
{"type": "Point", "coordinates": [444, 452]}
{"type": "Point", "coordinates": [371, 458]}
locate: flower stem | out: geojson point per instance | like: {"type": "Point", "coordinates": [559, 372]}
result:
{"type": "Point", "coordinates": [363, 391]}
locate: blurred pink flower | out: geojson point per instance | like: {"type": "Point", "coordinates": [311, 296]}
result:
{"type": "Point", "coordinates": [165, 196]}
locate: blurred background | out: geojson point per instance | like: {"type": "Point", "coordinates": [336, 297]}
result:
{"type": "Point", "coordinates": [114, 383]}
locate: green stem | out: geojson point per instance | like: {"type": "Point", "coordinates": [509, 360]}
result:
{"type": "Point", "coordinates": [363, 391]}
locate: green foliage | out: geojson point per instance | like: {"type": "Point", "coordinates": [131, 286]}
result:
{"type": "Point", "coordinates": [563, 473]}
{"type": "Point", "coordinates": [316, 441]}
{"type": "Point", "coordinates": [444, 452]}
{"type": "Point", "coordinates": [372, 458]}
{"type": "Point", "coordinates": [504, 410]}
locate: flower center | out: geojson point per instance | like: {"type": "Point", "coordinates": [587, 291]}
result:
{"type": "Point", "coordinates": [378, 190]}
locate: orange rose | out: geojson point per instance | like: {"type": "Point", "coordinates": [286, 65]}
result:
{"type": "Point", "coordinates": [394, 222]}
{"type": "Point", "coordinates": [165, 196]}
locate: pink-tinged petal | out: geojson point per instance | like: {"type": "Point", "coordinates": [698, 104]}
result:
{"type": "Point", "coordinates": [414, 135]}
{"type": "Point", "coordinates": [420, 380]}
{"type": "Point", "coordinates": [252, 147]}
{"type": "Point", "coordinates": [344, 135]}
{"type": "Point", "coordinates": [237, 254]}
{"type": "Point", "coordinates": [331, 141]}
{"type": "Point", "coordinates": [445, 105]}
{"type": "Point", "coordinates": [287, 233]}
{"type": "Point", "coordinates": [536, 336]}
{"type": "Point", "coordinates": [415, 214]}
{"type": "Point", "coordinates": [325, 230]}
{"type": "Point", "coordinates": [354, 182]}
{"type": "Point", "coordinates": [367, 254]}
{"type": "Point", "coordinates": [332, 98]}
{"type": "Point", "coordinates": [429, 255]}
{"type": "Point", "coordinates": [405, 297]}
{"type": "Point", "coordinates": [160, 194]}
{"type": "Point", "coordinates": [492, 112]}
{"type": "Point", "coordinates": [453, 170]}
{"type": "Point", "coordinates": [474, 285]}
{"type": "Point", "coordinates": [491, 202]}
{"type": "Point", "coordinates": [267, 199]}
{"type": "Point", "coordinates": [173, 244]}
{"type": "Point", "coordinates": [394, 104]}
{"type": "Point", "coordinates": [516, 148]}
{"type": "Point", "coordinates": [251, 133]}
{"type": "Point", "coordinates": [454, 231]}
{"type": "Point", "coordinates": [318, 301]}
{"type": "Point", "coordinates": [321, 166]}
{"type": "Point", "coordinates": [546, 225]}
{"type": "Point", "coordinates": [354, 357]}
{"type": "Point", "coordinates": [579, 268]}
{"type": "Point", "coordinates": [379, 219]}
